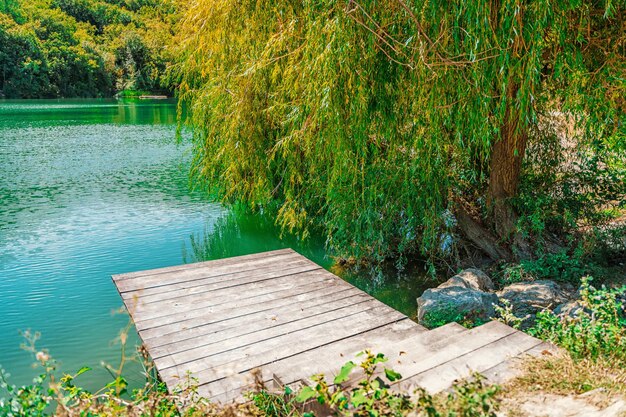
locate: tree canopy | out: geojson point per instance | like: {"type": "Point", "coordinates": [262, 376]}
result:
{"type": "Point", "coordinates": [394, 125]}
{"type": "Point", "coordinates": [74, 48]}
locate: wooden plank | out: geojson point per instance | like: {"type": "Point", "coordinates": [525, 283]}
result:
{"type": "Point", "coordinates": [222, 293]}
{"type": "Point", "coordinates": [454, 347]}
{"type": "Point", "coordinates": [403, 336]}
{"type": "Point", "coordinates": [442, 376]}
{"type": "Point", "coordinates": [227, 363]}
{"type": "Point", "coordinates": [205, 264]}
{"type": "Point", "coordinates": [252, 338]}
{"type": "Point", "coordinates": [219, 311]}
{"type": "Point", "coordinates": [192, 274]}
{"type": "Point", "coordinates": [215, 309]}
{"type": "Point", "coordinates": [288, 344]}
{"type": "Point", "coordinates": [252, 305]}
{"type": "Point", "coordinates": [412, 349]}
{"type": "Point", "coordinates": [328, 357]}
{"type": "Point", "coordinates": [176, 290]}
{"type": "Point", "coordinates": [240, 326]}
{"type": "Point", "coordinates": [318, 299]}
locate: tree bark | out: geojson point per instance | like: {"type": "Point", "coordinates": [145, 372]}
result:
{"type": "Point", "coordinates": [481, 237]}
{"type": "Point", "coordinates": [506, 166]}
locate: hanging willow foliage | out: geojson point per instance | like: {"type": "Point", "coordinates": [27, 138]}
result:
{"type": "Point", "coordinates": [379, 120]}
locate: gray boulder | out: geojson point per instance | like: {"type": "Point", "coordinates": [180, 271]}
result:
{"type": "Point", "coordinates": [438, 306]}
{"type": "Point", "coordinates": [528, 298]}
{"type": "Point", "coordinates": [569, 308]}
{"type": "Point", "coordinates": [472, 278]}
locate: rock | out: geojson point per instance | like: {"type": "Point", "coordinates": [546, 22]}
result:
{"type": "Point", "coordinates": [438, 306]}
{"type": "Point", "coordinates": [569, 308]}
{"type": "Point", "coordinates": [532, 297]}
{"type": "Point", "coordinates": [470, 278]}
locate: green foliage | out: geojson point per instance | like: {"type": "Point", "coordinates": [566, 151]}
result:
{"type": "Point", "coordinates": [560, 266]}
{"type": "Point", "coordinates": [48, 396]}
{"type": "Point", "coordinates": [445, 315]}
{"type": "Point", "coordinates": [596, 330]}
{"type": "Point", "coordinates": [505, 314]}
{"type": "Point", "coordinates": [273, 405]}
{"type": "Point", "coordinates": [80, 48]}
{"type": "Point", "coordinates": [376, 120]}
{"type": "Point", "coordinates": [512, 273]}
{"type": "Point", "coordinates": [374, 396]}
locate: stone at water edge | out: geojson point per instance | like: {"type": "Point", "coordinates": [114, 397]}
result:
{"type": "Point", "coordinates": [470, 278]}
{"type": "Point", "coordinates": [528, 298]}
{"type": "Point", "coordinates": [438, 306]}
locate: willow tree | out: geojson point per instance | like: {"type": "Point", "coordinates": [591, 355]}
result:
{"type": "Point", "coordinates": [392, 124]}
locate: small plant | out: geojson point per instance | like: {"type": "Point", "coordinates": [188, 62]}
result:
{"type": "Point", "coordinates": [504, 314]}
{"type": "Point", "coordinates": [275, 405]}
{"type": "Point", "coordinates": [370, 397]}
{"type": "Point", "coordinates": [513, 273]}
{"type": "Point", "coordinates": [472, 398]}
{"type": "Point", "coordinates": [449, 314]}
{"type": "Point", "coordinates": [560, 266]}
{"type": "Point", "coordinates": [598, 329]}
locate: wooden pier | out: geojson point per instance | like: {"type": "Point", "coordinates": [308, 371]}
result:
{"type": "Point", "coordinates": [287, 318]}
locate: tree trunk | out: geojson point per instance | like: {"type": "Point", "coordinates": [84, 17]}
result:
{"type": "Point", "coordinates": [506, 165]}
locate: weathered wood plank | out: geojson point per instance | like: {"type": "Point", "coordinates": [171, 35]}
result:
{"type": "Point", "coordinates": [176, 290]}
{"type": "Point", "coordinates": [206, 264]}
{"type": "Point", "coordinates": [221, 365]}
{"type": "Point", "coordinates": [223, 293]}
{"type": "Point", "coordinates": [273, 308]}
{"type": "Point", "coordinates": [252, 338]}
{"type": "Point", "coordinates": [455, 347]}
{"type": "Point", "coordinates": [442, 376]}
{"type": "Point", "coordinates": [239, 326]}
{"type": "Point", "coordinates": [251, 305]}
{"type": "Point", "coordinates": [396, 341]}
{"type": "Point", "coordinates": [305, 364]}
{"type": "Point", "coordinates": [189, 275]}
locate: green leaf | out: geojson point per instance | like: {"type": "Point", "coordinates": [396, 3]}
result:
{"type": "Point", "coordinates": [392, 375]}
{"type": "Point", "coordinates": [344, 373]}
{"type": "Point", "coordinates": [288, 390]}
{"type": "Point", "coordinates": [379, 358]}
{"type": "Point", "coordinates": [82, 371]}
{"type": "Point", "coordinates": [359, 398]}
{"type": "Point", "coordinates": [306, 393]}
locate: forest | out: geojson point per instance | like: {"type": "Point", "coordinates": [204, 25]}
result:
{"type": "Point", "coordinates": [84, 48]}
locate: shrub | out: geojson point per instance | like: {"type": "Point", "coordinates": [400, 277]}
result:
{"type": "Point", "coordinates": [596, 330]}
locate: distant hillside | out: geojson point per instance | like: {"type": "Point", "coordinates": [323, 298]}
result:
{"type": "Point", "coordinates": [84, 48]}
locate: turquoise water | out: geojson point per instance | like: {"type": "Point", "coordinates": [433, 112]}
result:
{"type": "Point", "coordinates": [90, 188]}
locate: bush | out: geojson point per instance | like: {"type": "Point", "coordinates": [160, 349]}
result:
{"type": "Point", "coordinates": [596, 330]}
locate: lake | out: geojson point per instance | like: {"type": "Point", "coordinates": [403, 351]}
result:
{"type": "Point", "coordinates": [91, 188]}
